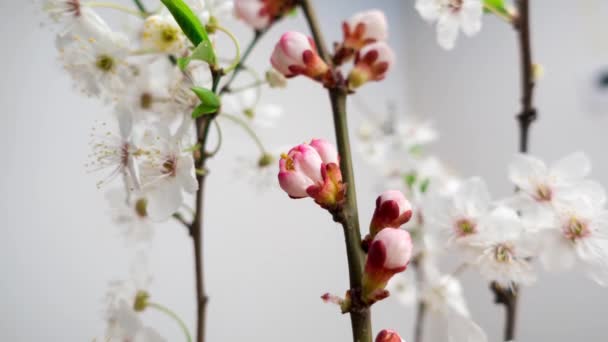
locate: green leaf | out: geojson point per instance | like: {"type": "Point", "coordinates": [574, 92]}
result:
{"type": "Point", "coordinates": [410, 179]}
{"type": "Point", "coordinates": [424, 186]}
{"type": "Point", "coordinates": [192, 27]}
{"type": "Point", "coordinates": [210, 102]}
{"type": "Point", "coordinates": [203, 109]}
{"type": "Point", "coordinates": [498, 5]}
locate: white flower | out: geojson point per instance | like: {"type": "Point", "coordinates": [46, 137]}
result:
{"type": "Point", "coordinates": [403, 287]}
{"type": "Point", "coordinates": [457, 217]}
{"type": "Point", "coordinates": [246, 103]}
{"type": "Point", "coordinates": [183, 99]}
{"type": "Point", "coordinates": [451, 17]}
{"type": "Point", "coordinates": [114, 151]}
{"type": "Point", "coordinates": [147, 96]}
{"type": "Point", "coordinates": [448, 315]}
{"type": "Point", "coordinates": [579, 236]}
{"type": "Point", "coordinates": [503, 248]}
{"type": "Point", "coordinates": [207, 9]}
{"type": "Point", "coordinates": [548, 185]}
{"type": "Point", "coordinates": [166, 174]}
{"type": "Point", "coordinates": [130, 212]}
{"type": "Point", "coordinates": [95, 57]}
{"type": "Point", "coordinates": [162, 34]}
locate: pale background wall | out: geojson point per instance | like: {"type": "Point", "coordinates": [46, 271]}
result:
{"type": "Point", "coordinates": [268, 258]}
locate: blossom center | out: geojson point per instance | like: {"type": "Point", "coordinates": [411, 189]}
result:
{"type": "Point", "coordinates": [454, 5]}
{"type": "Point", "coordinates": [289, 165]}
{"type": "Point", "coordinates": [105, 63]}
{"type": "Point", "coordinates": [503, 253]}
{"type": "Point", "coordinates": [465, 227]}
{"type": "Point", "coordinates": [168, 34]}
{"type": "Point", "coordinates": [145, 100]}
{"type": "Point", "coordinates": [543, 193]}
{"type": "Point", "coordinates": [170, 166]}
{"type": "Point", "coordinates": [576, 229]}
{"type": "Point", "coordinates": [141, 206]}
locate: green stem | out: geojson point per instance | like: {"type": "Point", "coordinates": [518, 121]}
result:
{"type": "Point", "coordinates": [173, 315]}
{"type": "Point", "coordinates": [247, 128]}
{"type": "Point", "coordinates": [239, 66]}
{"type": "Point", "coordinates": [140, 5]}
{"type": "Point", "coordinates": [235, 41]}
{"type": "Point", "coordinates": [117, 7]}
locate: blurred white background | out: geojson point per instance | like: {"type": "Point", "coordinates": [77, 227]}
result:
{"type": "Point", "coordinates": [268, 258]}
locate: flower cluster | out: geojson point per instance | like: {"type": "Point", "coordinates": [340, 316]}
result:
{"type": "Point", "coordinates": [364, 38]}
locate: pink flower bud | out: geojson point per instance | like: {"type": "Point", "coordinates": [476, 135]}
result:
{"type": "Point", "coordinates": [371, 64]}
{"type": "Point", "coordinates": [389, 254]}
{"type": "Point", "coordinates": [252, 13]}
{"type": "Point", "coordinates": [326, 150]}
{"type": "Point", "coordinates": [260, 14]}
{"type": "Point", "coordinates": [300, 169]}
{"type": "Point", "coordinates": [388, 336]}
{"type": "Point", "coordinates": [313, 170]}
{"type": "Point", "coordinates": [364, 28]}
{"type": "Point", "coordinates": [296, 54]}
{"type": "Point", "coordinates": [392, 210]}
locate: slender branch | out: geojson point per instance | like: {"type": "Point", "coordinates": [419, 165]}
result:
{"type": "Point", "coordinates": [509, 296]}
{"type": "Point", "coordinates": [174, 316]}
{"type": "Point", "coordinates": [256, 38]}
{"type": "Point", "coordinates": [528, 112]}
{"type": "Point", "coordinates": [181, 220]}
{"type": "Point", "coordinates": [360, 315]}
{"type": "Point", "coordinates": [419, 326]}
{"type": "Point", "coordinates": [203, 125]}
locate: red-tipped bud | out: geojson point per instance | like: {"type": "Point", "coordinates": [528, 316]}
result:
{"type": "Point", "coordinates": [389, 254]}
{"type": "Point", "coordinates": [392, 211]}
{"type": "Point", "coordinates": [371, 64]}
{"type": "Point", "coordinates": [364, 28]}
{"type": "Point", "coordinates": [260, 14]}
{"type": "Point", "coordinates": [296, 54]}
{"type": "Point", "coordinates": [313, 170]}
{"type": "Point", "coordinates": [388, 336]}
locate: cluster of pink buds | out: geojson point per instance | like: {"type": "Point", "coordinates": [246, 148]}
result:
{"type": "Point", "coordinates": [365, 37]}
{"type": "Point", "coordinates": [260, 14]}
{"type": "Point", "coordinates": [313, 170]}
{"type": "Point", "coordinates": [360, 30]}
{"type": "Point", "coordinates": [388, 336]}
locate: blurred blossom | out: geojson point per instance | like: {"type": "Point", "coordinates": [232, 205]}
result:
{"type": "Point", "coordinates": [452, 16]}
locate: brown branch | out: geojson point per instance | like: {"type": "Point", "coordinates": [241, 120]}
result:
{"type": "Point", "coordinates": [360, 315]}
{"type": "Point", "coordinates": [509, 296]}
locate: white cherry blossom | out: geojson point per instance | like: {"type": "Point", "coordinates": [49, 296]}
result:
{"type": "Point", "coordinates": [451, 17]}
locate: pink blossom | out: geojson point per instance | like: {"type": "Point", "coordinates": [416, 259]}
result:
{"type": "Point", "coordinates": [371, 64]}
{"type": "Point", "coordinates": [389, 254]}
{"type": "Point", "coordinates": [364, 28]}
{"type": "Point", "coordinates": [313, 170]}
{"type": "Point", "coordinates": [388, 336]}
{"type": "Point", "coordinates": [252, 13]}
{"type": "Point", "coordinates": [392, 210]}
{"type": "Point", "coordinates": [296, 54]}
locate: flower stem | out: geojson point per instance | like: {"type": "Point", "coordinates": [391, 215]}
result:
{"type": "Point", "coordinates": [247, 128]}
{"type": "Point", "coordinates": [118, 7]}
{"type": "Point", "coordinates": [237, 58]}
{"type": "Point", "coordinates": [248, 86]}
{"type": "Point", "coordinates": [240, 65]}
{"type": "Point", "coordinates": [360, 315]}
{"type": "Point", "coordinates": [140, 6]}
{"type": "Point", "coordinates": [173, 315]}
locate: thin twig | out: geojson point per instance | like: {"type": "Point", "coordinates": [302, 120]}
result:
{"type": "Point", "coordinates": [256, 38]}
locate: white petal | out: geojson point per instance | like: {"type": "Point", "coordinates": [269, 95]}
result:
{"type": "Point", "coordinates": [470, 17]}
{"type": "Point", "coordinates": [523, 169]}
{"type": "Point", "coordinates": [148, 335]}
{"type": "Point", "coordinates": [572, 167]}
{"type": "Point", "coordinates": [429, 10]}
{"type": "Point", "coordinates": [463, 329]}
{"type": "Point", "coordinates": [447, 31]}
{"type": "Point", "coordinates": [558, 253]}
{"type": "Point", "coordinates": [164, 199]}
